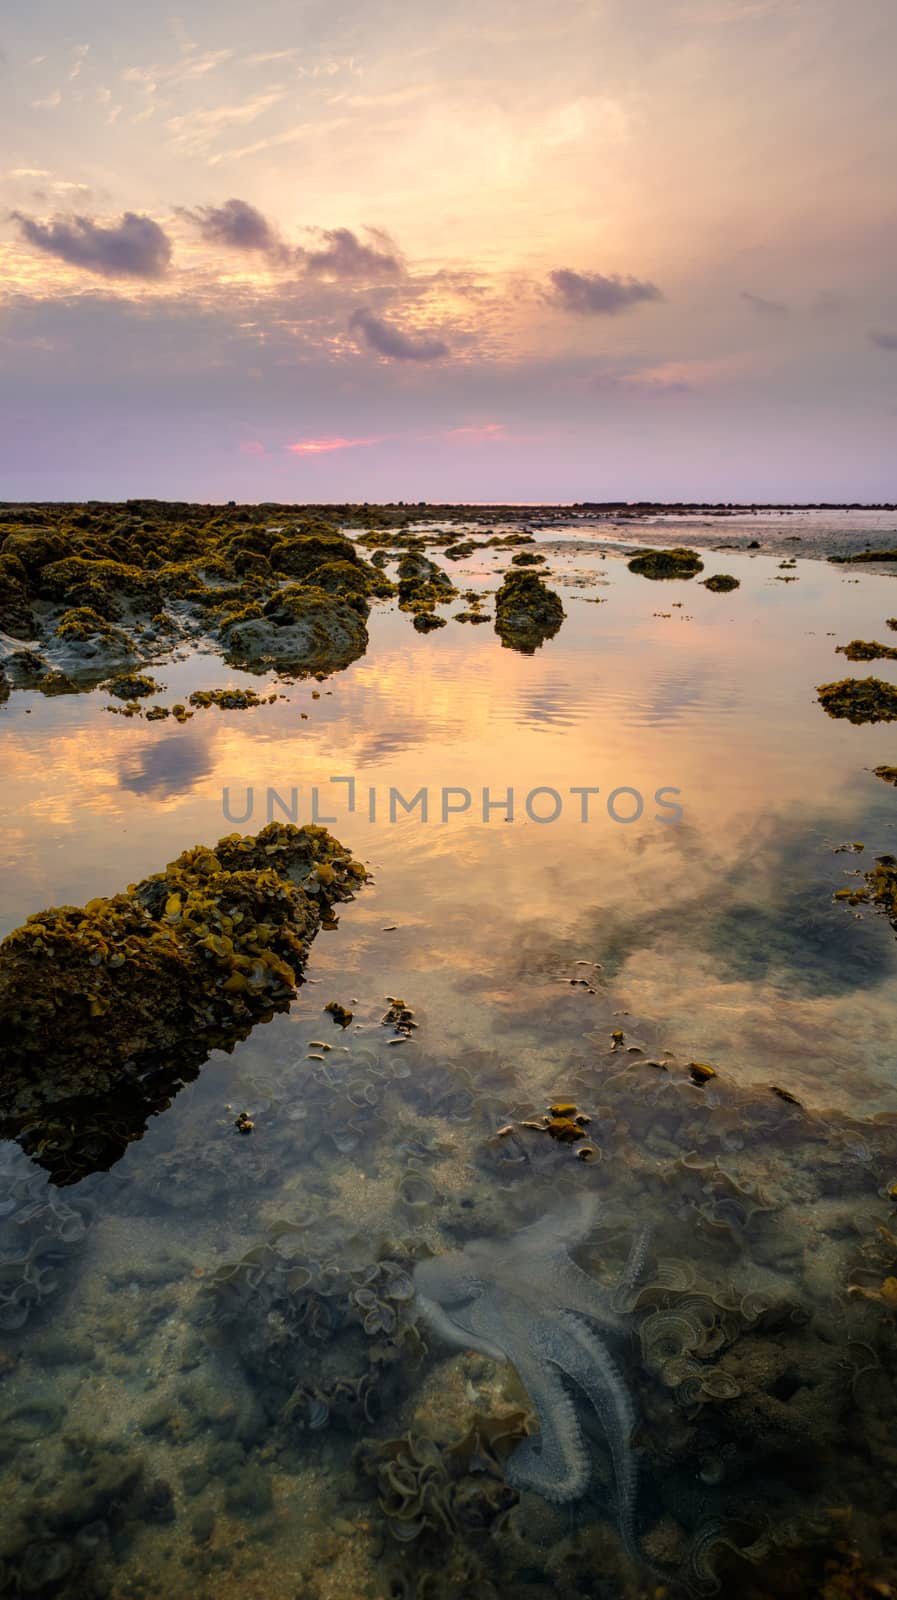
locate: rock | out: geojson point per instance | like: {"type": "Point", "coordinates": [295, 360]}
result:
{"type": "Point", "coordinates": [526, 612]}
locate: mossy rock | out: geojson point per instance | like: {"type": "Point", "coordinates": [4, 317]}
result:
{"type": "Point", "coordinates": [34, 547]}
{"type": "Point", "coordinates": [528, 558]}
{"type": "Point", "coordinates": [105, 585]}
{"type": "Point", "coordinates": [357, 579]}
{"type": "Point", "coordinates": [132, 686]}
{"type": "Point", "coordinates": [859, 699]}
{"type": "Point", "coordinates": [675, 563]}
{"type": "Point", "coordinates": [16, 616]}
{"type": "Point", "coordinates": [298, 554]}
{"type": "Point", "coordinates": [889, 774]}
{"type": "Point", "coordinates": [722, 583]}
{"type": "Point", "coordinates": [302, 629]}
{"type": "Point", "coordinates": [526, 612]}
{"type": "Point", "coordinates": [867, 650]}
{"type": "Point", "coordinates": [106, 1009]}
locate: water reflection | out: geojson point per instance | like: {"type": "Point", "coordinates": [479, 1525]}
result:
{"type": "Point", "coordinates": [217, 1376]}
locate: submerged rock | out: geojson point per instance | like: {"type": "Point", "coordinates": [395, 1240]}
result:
{"type": "Point", "coordinates": [526, 612]}
{"type": "Point", "coordinates": [107, 1009]}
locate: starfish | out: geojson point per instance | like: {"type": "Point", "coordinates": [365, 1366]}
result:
{"type": "Point", "coordinates": [524, 1300]}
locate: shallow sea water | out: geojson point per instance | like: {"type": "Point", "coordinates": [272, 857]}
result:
{"type": "Point", "coordinates": [222, 1386]}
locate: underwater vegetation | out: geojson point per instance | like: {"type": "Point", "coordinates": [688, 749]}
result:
{"type": "Point", "coordinates": [859, 699]}
{"type": "Point", "coordinates": [527, 613]}
{"type": "Point", "coordinates": [675, 563]}
{"type": "Point", "coordinates": [105, 1009]}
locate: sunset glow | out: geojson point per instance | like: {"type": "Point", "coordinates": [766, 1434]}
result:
{"type": "Point", "coordinates": [276, 227]}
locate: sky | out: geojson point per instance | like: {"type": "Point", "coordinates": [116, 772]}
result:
{"type": "Point", "coordinates": [507, 250]}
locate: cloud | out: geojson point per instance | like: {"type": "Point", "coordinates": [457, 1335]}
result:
{"type": "Point", "coordinates": [317, 447]}
{"type": "Point", "coordinates": [392, 342]}
{"type": "Point", "coordinates": [766, 308]}
{"type": "Point", "coordinates": [592, 295]}
{"type": "Point", "coordinates": [235, 224]}
{"type": "Point", "coordinates": [344, 256]}
{"type": "Point", "coordinates": [134, 247]}
{"type": "Point", "coordinates": [485, 433]}
{"type": "Point", "coordinates": [882, 339]}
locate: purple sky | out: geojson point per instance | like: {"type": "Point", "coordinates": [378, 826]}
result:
{"type": "Point", "coordinates": [506, 251]}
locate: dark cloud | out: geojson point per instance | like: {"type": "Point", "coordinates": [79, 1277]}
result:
{"type": "Point", "coordinates": [882, 339]}
{"type": "Point", "coordinates": [766, 308]}
{"type": "Point", "coordinates": [135, 247]}
{"type": "Point", "coordinates": [390, 341]}
{"type": "Point", "coordinates": [236, 224]}
{"type": "Point", "coordinates": [591, 295]}
{"type": "Point", "coordinates": [344, 256]}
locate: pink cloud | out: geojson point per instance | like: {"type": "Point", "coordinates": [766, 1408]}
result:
{"type": "Point", "coordinates": [317, 447]}
{"type": "Point", "coordinates": [485, 433]}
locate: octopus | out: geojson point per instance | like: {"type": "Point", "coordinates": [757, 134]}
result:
{"type": "Point", "coordinates": [525, 1300]}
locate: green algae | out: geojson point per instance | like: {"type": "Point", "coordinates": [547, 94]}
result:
{"type": "Point", "coordinates": [675, 563]}
{"type": "Point", "coordinates": [527, 613]}
{"type": "Point", "coordinates": [867, 650]}
{"type": "Point", "coordinates": [105, 1009]}
{"type": "Point", "coordinates": [859, 699]}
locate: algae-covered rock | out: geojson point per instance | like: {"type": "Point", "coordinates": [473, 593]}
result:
{"type": "Point", "coordinates": [526, 612]}
{"type": "Point", "coordinates": [722, 583]}
{"type": "Point", "coordinates": [889, 774]}
{"type": "Point", "coordinates": [16, 616]}
{"type": "Point", "coordinates": [302, 628]}
{"type": "Point", "coordinates": [859, 699]}
{"type": "Point", "coordinates": [351, 578]}
{"type": "Point", "coordinates": [298, 554]}
{"type": "Point", "coordinates": [106, 1009]}
{"type": "Point", "coordinates": [132, 686]}
{"type": "Point", "coordinates": [675, 563]}
{"type": "Point", "coordinates": [867, 650]}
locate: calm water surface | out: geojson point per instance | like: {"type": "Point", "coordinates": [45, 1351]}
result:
{"type": "Point", "coordinates": [201, 1402]}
